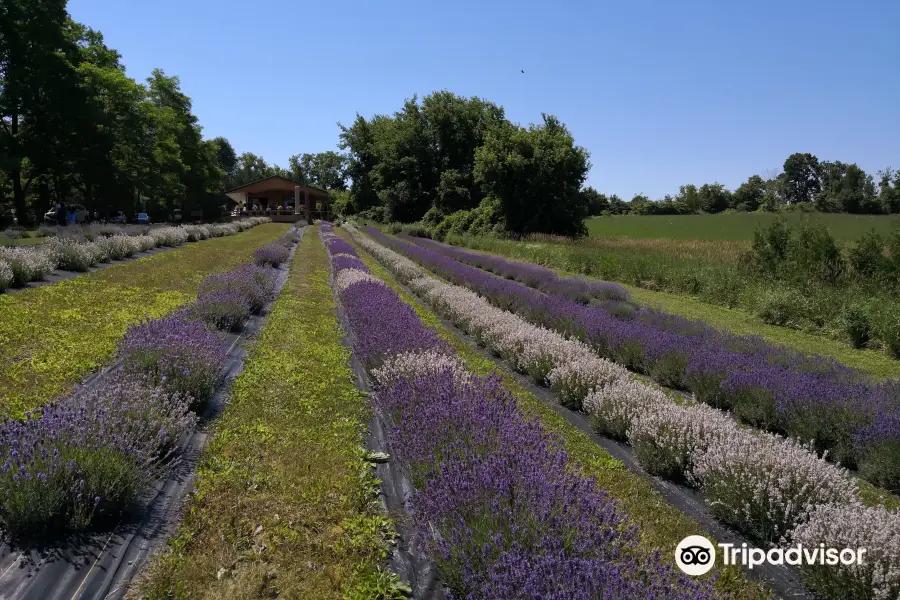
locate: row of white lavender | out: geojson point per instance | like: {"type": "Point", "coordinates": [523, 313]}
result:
{"type": "Point", "coordinates": [495, 505]}
{"type": "Point", "coordinates": [23, 264]}
{"type": "Point", "coordinates": [774, 489]}
{"type": "Point", "coordinates": [89, 456]}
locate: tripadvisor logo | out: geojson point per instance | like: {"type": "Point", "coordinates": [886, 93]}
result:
{"type": "Point", "coordinates": [696, 555]}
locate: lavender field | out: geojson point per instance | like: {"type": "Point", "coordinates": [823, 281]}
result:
{"type": "Point", "coordinates": [451, 424]}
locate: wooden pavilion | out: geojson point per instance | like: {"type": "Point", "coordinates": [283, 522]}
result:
{"type": "Point", "coordinates": [282, 199]}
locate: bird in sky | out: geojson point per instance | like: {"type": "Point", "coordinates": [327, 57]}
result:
{"type": "Point", "coordinates": [523, 70]}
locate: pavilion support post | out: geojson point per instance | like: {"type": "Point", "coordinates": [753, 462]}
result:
{"type": "Point", "coordinates": [308, 199]}
{"type": "Point", "coordinates": [296, 199]}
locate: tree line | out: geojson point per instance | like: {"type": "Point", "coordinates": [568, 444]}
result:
{"type": "Point", "coordinates": [805, 184]}
{"type": "Point", "coordinates": [75, 129]}
{"type": "Point", "coordinates": [457, 162]}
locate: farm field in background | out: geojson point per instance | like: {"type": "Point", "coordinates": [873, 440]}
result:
{"type": "Point", "coordinates": [733, 226]}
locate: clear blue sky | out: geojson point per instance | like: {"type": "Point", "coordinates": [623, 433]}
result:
{"type": "Point", "coordinates": [660, 93]}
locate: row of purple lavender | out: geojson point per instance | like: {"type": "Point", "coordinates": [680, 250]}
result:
{"type": "Point", "coordinates": [89, 456]}
{"type": "Point", "coordinates": [502, 514]}
{"type": "Point", "coordinates": [772, 488]}
{"type": "Point", "coordinates": [852, 419]}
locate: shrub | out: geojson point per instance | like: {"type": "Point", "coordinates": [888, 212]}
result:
{"type": "Point", "coordinates": [169, 236]}
{"type": "Point", "coordinates": [572, 381]}
{"type": "Point", "coordinates": [271, 254]}
{"type": "Point", "coordinates": [613, 409]}
{"type": "Point", "coordinates": [6, 275]}
{"type": "Point", "coordinates": [195, 233]}
{"type": "Point", "coordinates": [886, 324]}
{"type": "Point", "coordinates": [45, 231]}
{"type": "Point", "coordinates": [781, 307]}
{"type": "Point", "coordinates": [223, 309]}
{"type": "Point", "coordinates": [878, 444]}
{"type": "Point", "coordinates": [856, 325]}
{"type": "Point", "coordinates": [765, 485]}
{"type": "Point", "coordinates": [28, 264]}
{"type": "Point", "coordinates": [183, 356]}
{"type": "Point", "coordinates": [14, 233]}
{"type": "Point", "coordinates": [666, 436]}
{"type": "Point", "coordinates": [145, 242]}
{"type": "Point", "coordinates": [70, 255]}
{"type": "Point", "coordinates": [86, 457]}
{"type": "Point", "coordinates": [256, 284]}
{"type": "Point", "coordinates": [874, 528]}
{"type": "Point", "coordinates": [867, 257]}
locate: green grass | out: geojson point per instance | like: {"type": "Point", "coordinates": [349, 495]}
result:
{"type": "Point", "coordinates": [285, 505]}
{"type": "Point", "coordinates": [732, 226]}
{"type": "Point", "coordinates": [52, 336]}
{"type": "Point", "coordinates": [661, 526]}
{"type": "Point", "coordinates": [25, 241]}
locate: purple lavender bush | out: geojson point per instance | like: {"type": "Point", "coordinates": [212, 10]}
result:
{"type": "Point", "coordinates": [500, 511]}
{"type": "Point", "coordinates": [382, 325]}
{"type": "Point", "coordinates": [86, 457]}
{"type": "Point", "coordinates": [271, 255]}
{"type": "Point", "coordinates": [225, 309]}
{"type": "Point", "coordinates": [181, 355]}
{"type": "Point", "coordinates": [254, 282]}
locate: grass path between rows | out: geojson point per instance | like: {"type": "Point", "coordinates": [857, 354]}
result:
{"type": "Point", "coordinates": [285, 505]}
{"type": "Point", "coordinates": [661, 526]}
{"type": "Point", "coordinates": [738, 321]}
{"type": "Point", "coordinates": [52, 336]}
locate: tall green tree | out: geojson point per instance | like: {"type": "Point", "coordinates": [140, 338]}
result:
{"type": "Point", "coordinates": [597, 202]}
{"type": "Point", "coordinates": [35, 78]}
{"type": "Point", "coordinates": [749, 195]}
{"type": "Point", "coordinates": [327, 170]}
{"type": "Point", "coordinates": [536, 174]}
{"type": "Point", "coordinates": [714, 197]}
{"type": "Point", "coordinates": [802, 178]}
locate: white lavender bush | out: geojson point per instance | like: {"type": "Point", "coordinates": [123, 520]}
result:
{"type": "Point", "coordinates": [572, 381]}
{"type": "Point", "coordinates": [70, 254]}
{"type": "Point", "coordinates": [417, 364]}
{"type": "Point", "coordinates": [613, 408]}
{"type": "Point", "coordinates": [6, 275]}
{"type": "Point", "coordinates": [765, 485]}
{"type": "Point", "coordinates": [667, 436]}
{"type": "Point", "coordinates": [348, 277]}
{"type": "Point", "coordinates": [874, 528]}
{"type": "Point", "coordinates": [28, 264]}
{"type": "Point", "coordinates": [169, 236]}
{"type": "Point", "coordinates": [145, 242]}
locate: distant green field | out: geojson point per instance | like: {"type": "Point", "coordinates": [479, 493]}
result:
{"type": "Point", "coordinates": [732, 226]}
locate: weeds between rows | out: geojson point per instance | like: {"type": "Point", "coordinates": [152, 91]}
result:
{"type": "Point", "coordinates": [660, 525]}
{"type": "Point", "coordinates": [285, 504]}
{"type": "Point", "coordinates": [52, 336]}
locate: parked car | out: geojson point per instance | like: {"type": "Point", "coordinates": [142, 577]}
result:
{"type": "Point", "coordinates": [81, 213]}
{"type": "Point", "coordinates": [143, 219]}
{"type": "Point", "coordinates": [117, 217]}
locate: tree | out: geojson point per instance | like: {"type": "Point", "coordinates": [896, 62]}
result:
{"type": "Point", "coordinates": [846, 188]}
{"type": "Point", "coordinates": [889, 191]}
{"type": "Point", "coordinates": [327, 170]}
{"type": "Point", "coordinates": [597, 202]}
{"type": "Point", "coordinates": [801, 178]}
{"type": "Point", "coordinates": [749, 195]}
{"type": "Point", "coordinates": [617, 206]}
{"type": "Point", "coordinates": [689, 197]}
{"type": "Point", "coordinates": [642, 205]}
{"type": "Point", "coordinates": [714, 197]}
{"type": "Point", "coordinates": [226, 159]}
{"type": "Point", "coordinates": [35, 77]}
{"type": "Point", "coordinates": [536, 174]}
